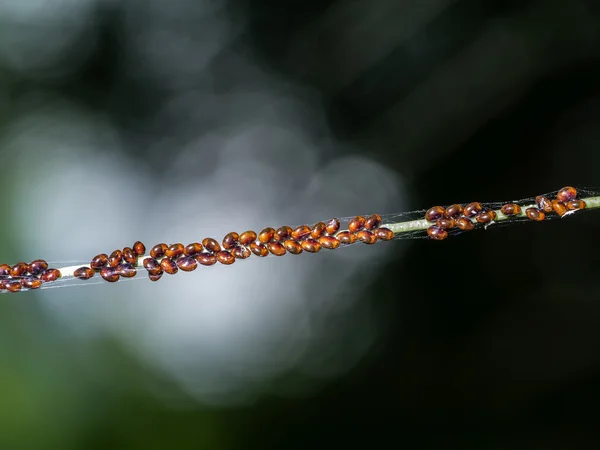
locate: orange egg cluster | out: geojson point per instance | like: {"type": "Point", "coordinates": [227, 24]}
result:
{"type": "Point", "coordinates": [465, 218]}
{"type": "Point", "coordinates": [28, 276]}
{"type": "Point", "coordinates": [170, 259]}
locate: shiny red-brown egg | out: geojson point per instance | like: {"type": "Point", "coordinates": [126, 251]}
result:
{"type": "Point", "coordinates": [464, 224]}
{"type": "Point", "coordinates": [311, 245]}
{"type": "Point", "coordinates": [129, 255]}
{"type": "Point", "coordinates": [453, 211]}
{"type": "Point", "coordinates": [169, 266]}
{"type": "Point", "coordinates": [241, 252]}
{"type": "Point", "coordinates": [155, 276]}
{"type": "Point", "coordinates": [174, 251]}
{"type": "Point", "coordinates": [292, 246]}
{"type": "Point", "coordinates": [50, 275]}
{"type": "Point", "coordinates": [13, 286]}
{"type": "Point", "coordinates": [193, 249]}
{"type": "Point", "coordinates": [434, 213]}
{"type": "Point", "coordinates": [31, 282]}
{"type": "Point", "coordinates": [109, 274]}
{"type": "Point", "coordinates": [139, 248]}
{"type": "Point", "coordinates": [535, 214]}
{"type": "Point", "coordinates": [301, 232]}
{"type": "Point", "coordinates": [373, 221]}
{"type": "Point", "coordinates": [510, 209]}
{"type": "Point", "coordinates": [346, 238]}
{"type": "Point", "coordinates": [329, 242]}
{"type": "Point", "coordinates": [543, 203]}
{"type": "Point", "coordinates": [445, 223]}
{"type": "Point", "coordinates": [356, 224]}
{"type": "Point", "coordinates": [99, 261]}
{"type": "Point", "coordinates": [84, 273]}
{"type": "Point", "coordinates": [225, 257]}
{"type": "Point", "coordinates": [485, 216]}
{"type": "Point", "coordinates": [283, 233]}
{"type": "Point", "coordinates": [385, 234]}
{"type": "Point", "coordinates": [152, 266]}
{"type": "Point", "coordinates": [472, 209]}
{"type": "Point", "coordinates": [332, 226]}
{"type": "Point", "coordinates": [206, 259]}
{"type": "Point", "coordinates": [187, 263]}
{"type": "Point", "coordinates": [366, 237]}
{"type": "Point", "coordinates": [559, 207]}
{"type": "Point", "coordinates": [230, 240]}
{"type": "Point", "coordinates": [574, 205]}
{"type": "Point", "coordinates": [266, 235]}
{"type": "Point", "coordinates": [318, 230]}
{"type": "Point", "coordinates": [211, 245]}
{"type": "Point", "coordinates": [38, 266]}
{"type": "Point", "coordinates": [115, 258]}
{"type": "Point", "coordinates": [126, 270]}
{"type": "Point", "coordinates": [435, 232]}
{"type": "Point", "coordinates": [276, 248]}
{"type": "Point", "coordinates": [566, 194]}
{"type": "Point", "coordinates": [247, 237]}
{"type": "Point", "coordinates": [19, 269]}
{"type": "Point", "coordinates": [259, 249]}
{"type": "Point", "coordinates": [5, 269]}
{"type": "Point", "coordinates": [158, 251]}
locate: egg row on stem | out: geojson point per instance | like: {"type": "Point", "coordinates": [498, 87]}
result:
{"type": "Point", "coordinates": [163, 258]}
{"type": "Point", "coordinates": [466, 217]}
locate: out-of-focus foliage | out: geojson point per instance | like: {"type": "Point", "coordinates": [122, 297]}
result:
{"type": "Point", "coordinates": [172, 121]}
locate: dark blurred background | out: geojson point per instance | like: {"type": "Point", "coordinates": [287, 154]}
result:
{"type": "Point", "coordinates": [161, 120]}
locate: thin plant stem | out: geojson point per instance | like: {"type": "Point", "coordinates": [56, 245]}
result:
{"type": "Point", "coordinates": [437, 223]}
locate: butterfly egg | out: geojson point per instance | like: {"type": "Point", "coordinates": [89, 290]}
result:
{"type": "Point", "coordinates": [453, 211]}
{"type": "Point", "coordinates": [543, 203]}
{"type": "Point", "coordinates": [434, 213]}
{"type": "Point", "coordinates": [276, 248]}
{"type": "Point", "coordinates": [84, 273]}
{"type": "Point", "coordinates": [206, 259]}
{"type": "Point", "coordinates": [174, 251]}
{"type": "Point", "coordinates": [535, 214]}
{"type": "Point", "coordinates": [311, 245]}
{"type": "Point", "coordinates": [247, 237]}
{"type": "Point", "coordinates": [225, 257]}
{"type": "Point", "coordinates": [241, 252]}
{"type": "Point", "coordinates": [472, 209]}
{"type": "Point", "coordinates": [464, 224]}
{"type": "Point", "coordinates": [318, 230]}
{"type": "Point", "coordinates": [168, 266]}
{"type": "Point", "coordinates": [211, 245]}
{"type": "Point", "coordinates": [259, 249]}
{"type": "Point", "coordinates": [373, 221]}
{"type": "Point", "coordinates": [230, 240]}
{"type": "Point", "coordinates": [332, 226]}
{"type": "Point", "coordinates": [193, 249]}
{"type": "Point", "coordinates": [329, 242]}
{"type": "Point", "coordinates": [436, 233]}
{"type": "Point", "coordinates": [366, 237]}
{"type": "Point", "coordinates": [384, 234]}
{"type": "Point", "coordinates": [566, 194]}
{"type": "Point", "coordinates": [187, 263]}
{"type": "Point", "coordinates": [346, 237]}
{"type": "Point", "coordinates": [559, 207]}
{"type": "Point", "coordinates": [301, 232]}
{"type": "Point", "coordinates": [266, 235]}
{"type": "Point", "coordinates": [356, 224]}
{"type": "Point", "coordinates": [510, 209]}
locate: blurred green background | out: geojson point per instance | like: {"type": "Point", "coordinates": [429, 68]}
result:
{"type": "Point", "coordinates": [485, 341]}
